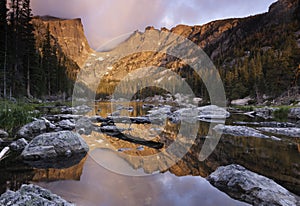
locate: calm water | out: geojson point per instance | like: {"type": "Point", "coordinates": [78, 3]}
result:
{"type": "Point", "coordinates": [98, 186]}
{"type": "Point", "coordinates": [89, 183]}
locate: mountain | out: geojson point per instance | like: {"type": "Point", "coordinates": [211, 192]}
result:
{"type": "Point", "coordinates": [67, 35]}
{"type": "Point", "coordinates": [257, 56]}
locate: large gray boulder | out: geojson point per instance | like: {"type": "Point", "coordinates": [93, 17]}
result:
{"type": "Point", "coordinates": [241, 131]}
{"type": "Point", "coordinates": [294, 113]}
{"type": "Point", "coordinates": [3, 134]}
{"type": "Point", "coordinates": [56, 149]}
{"type": "Point", "coordinates": [250, 187]}
{"type": "Point", "coordinates": [35, 128]}
{"type": "Point", "coordinates": [32, 195]}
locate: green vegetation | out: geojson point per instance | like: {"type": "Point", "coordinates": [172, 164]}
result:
{"type": "Point", "coordinates": [282, 113]}
{"type": "Point", "coordinates": [265, 62]}
{"type": "Point", "coordinates": [15, 115]}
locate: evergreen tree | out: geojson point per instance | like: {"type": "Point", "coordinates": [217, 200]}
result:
{"type": "Point", "coordinates": [4, 44]}
{"type": "Point", "coordinates": [30, 57]}
{"type": "Point", "coordinates": [15, 67]}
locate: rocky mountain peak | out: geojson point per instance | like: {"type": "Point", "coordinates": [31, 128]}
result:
{"type": "Point", "coordinates": [68, 34]}
{"type": "Point", "coordinates": [283, 9]}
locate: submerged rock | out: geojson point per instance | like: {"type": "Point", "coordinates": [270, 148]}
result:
{"type": "Point", "coordinates": [32, 195]}
{"type": "Point", "coordinates": [265, 112]}
{"type": "Point", "coordinates": [3, 134]}
{"type": "Point", "coordinates": [291, 132]}
{"type": "Point", "coordinates": [51, 149]}
{"type": "Point", "coordinates": [294, 113]}
{"type": "Point", "coordinates": [240, 131]}
{"type": "Point", "coordinates": [250, 187]}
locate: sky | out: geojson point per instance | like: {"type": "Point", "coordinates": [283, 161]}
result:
{"type": "Point", "coordinates": [104, 20]}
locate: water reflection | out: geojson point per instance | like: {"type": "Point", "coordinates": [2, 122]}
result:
{"type": "Point", "coordinates": [278, 160]}
{"type": "Point", "coordinates": [98, 186]}
{"type": "Point", "coordinates": [52, 174]}
{"type": "Point", "coordinates": [87, 183]}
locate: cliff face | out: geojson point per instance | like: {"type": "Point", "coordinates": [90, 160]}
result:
{"type": "Point", "coordinates": [258, 54]}
{"type": "Point", "coordinates": [227, 42]}
{"type": "Point", "coordinates": [69, 35]}
{"type": "Point", "coordinates": [207, 34]}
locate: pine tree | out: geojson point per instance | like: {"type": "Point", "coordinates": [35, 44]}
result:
{"type": "Point", "coordinates": [3, 42]}
{"type": "Point", "coordinates": [16, 48]}
{"type": "Point", "coordinates": [30, 57]}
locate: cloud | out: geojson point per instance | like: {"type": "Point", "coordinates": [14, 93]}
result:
{"type": "Point", "coordinates": [107, 19]}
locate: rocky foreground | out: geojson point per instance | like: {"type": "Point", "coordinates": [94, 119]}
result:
{"type": "Point", "coordinates": [51, 142]}
{"type": "Point", "coordinates": [250, 187]}
{"type": "Point", "coordinates": [32, 195]}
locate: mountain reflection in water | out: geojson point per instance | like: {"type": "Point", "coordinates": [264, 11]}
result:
{"type": "Point", "coordinates": [98, 186]}
{"type": "Point", "coordinates": [183, 183]}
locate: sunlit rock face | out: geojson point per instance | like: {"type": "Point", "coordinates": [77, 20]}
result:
{"type": "Point", "coordinates": [68, 34]}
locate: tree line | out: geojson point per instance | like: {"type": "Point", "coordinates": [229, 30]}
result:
{"type": "Point", "coordinates": [266, 63]}
{"type": "Point", "coordinates": [28, 67]}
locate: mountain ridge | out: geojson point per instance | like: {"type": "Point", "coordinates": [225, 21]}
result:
{"type": "Point", "coordinates": [239, 47]}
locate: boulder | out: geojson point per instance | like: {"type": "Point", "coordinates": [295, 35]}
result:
{"type": "Point", "coordinates": [205, 113]}
{"type": "Point", "coordinates": [52, 149]}
{"type": "Point", "coordinates": [240, 131]}
{"type": "Point", "coordinates": [157, 115]}
{"type": "Point", "coordinates": [80, 109]}
{"type": "Point", "coordinates": [60, 117]}
{"type": "Point", "coordinates": [291, 132]}
{"type": "Point", "coordinates": [241, 102]}
{"type": "Point", "coordinates": [32, 195]}
{"type": "Point", "coordinates": [212, 112]}
{"type": "Point", "coordinates": [84, 126]}
{"type": "Point", "coordinates": [250, 187]}
{"type": "Point", "coordinates": [35, 128]}
{"type": "Point", "coordinates": [3, 134]}
{"type": "Point", "coordinates": [97, 119]}
{"type": "Point", "coordinates": [18, 145]}
{"type": "Point", "coordinates": [67, 124]}
{"type": "Point", "coordinates": [294, 113]}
